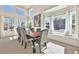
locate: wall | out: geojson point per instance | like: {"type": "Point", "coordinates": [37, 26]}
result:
{"type": "Point", "coordinates": [13, 15]}
{"type": "Point", "coordinates": [38, 9]}
{"type": "Point", "coordinates": [65, 39]}
{"type": "Point", "coordinates": [0, 27]}
{"type": "Point", "coordinates": [74, 39]}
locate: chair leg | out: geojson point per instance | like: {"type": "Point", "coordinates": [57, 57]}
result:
{"type": "Point", "coordinates": [46, 44]}
{"type": "Point", "coordinates": [22, 43]}
{"type": "Point", "coordinates": [19, 40]}
{"type": "Point", "coordinates": [39, 47]}
{"type": "Point", "coordinates": [25, 45]}
{"type": "Point", "coordinates": [34, 50]}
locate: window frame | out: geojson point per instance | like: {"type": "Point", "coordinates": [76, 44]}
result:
{"type": "Point", "coordinates": [71, 13]}
{"type": "Point", "coordinates": [59, 33]}
{"type": "Point", "coordinates": [9, 19]}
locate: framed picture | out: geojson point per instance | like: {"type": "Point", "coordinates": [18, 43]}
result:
{"type": "Point", "coordinates": [37, 20]}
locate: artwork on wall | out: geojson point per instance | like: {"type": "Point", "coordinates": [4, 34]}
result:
{"type": "Point", "coordinates": [37, 20]}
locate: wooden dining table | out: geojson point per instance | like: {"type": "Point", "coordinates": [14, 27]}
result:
{"type": "Point", "coordinates": [36, 38]}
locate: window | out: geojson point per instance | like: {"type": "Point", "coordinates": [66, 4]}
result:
{"type": "Point", "coordinates": [47, 22]}
{"type": "Point", "coordinates": [59, 23]}
{"type": "Point", "coordinates": [20, 11]}
{"type": "Point", "coordinates": [31, 10]}
{"type": "Point", "coordinates": [8, 8]}
{"type": "Point", "coordinates": [8, 24]}
{"type": "Point", "coordinates": [21, 22]}
{"type": "Point", "coordinates": [72, 18]}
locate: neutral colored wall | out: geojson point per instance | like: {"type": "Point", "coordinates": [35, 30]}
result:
{"type": "Point", "coordinates": [0, 27]}
{"type": "Point", "coordinates": [13, 15]}
{"type": "Point", "coordinates": [74, 39]}
{"type": "Point", "coordinates": [38, 9]}
{"type": "Point", "coordinates": [65, 39]}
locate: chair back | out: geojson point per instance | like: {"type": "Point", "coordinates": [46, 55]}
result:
{"type": "Point", "coordinates": [18, 31]}
{"type": "Point", "coordinates": [44, 34]}
{"type": "Point", "coordinates": [23, 34]}
{"type": "Point", "coordinates": [32, 29]}
{"type": "Point", "coordinates": [43, 40]}
{"type": "Point", "coordinates": [38, 30]}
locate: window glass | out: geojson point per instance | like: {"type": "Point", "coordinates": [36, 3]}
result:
{"type": "Point", "coordinates": [31, 12]}
{"type": "Point", "coordinates": [59, 23]}
{"type": "Point", "coordinates": [8, 8]}
{"type": "Point", "coordinates": [72, 18]}
{"type": "Point", "coordinates": [21, 22]}
{"type": "Point", "coordinates": [47, 21]}
{"type": "Point", "coordinates": [8, 23]}
{"type": "Point", "coordinates": [20, 11]}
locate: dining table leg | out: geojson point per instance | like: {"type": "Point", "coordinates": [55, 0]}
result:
{"type": "Point", "coordinates": [39, 46]}
{"type": "Point", "coordinates": [34, 50]}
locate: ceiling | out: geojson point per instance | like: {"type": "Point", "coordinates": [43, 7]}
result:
{"type": "Point", "coordinates": [42, 7]}
{"type": "Point", "coordinates": [37, 8]}
{"type": "Point", "coordinates": [24, 6]}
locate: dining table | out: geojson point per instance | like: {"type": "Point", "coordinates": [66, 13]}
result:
{"type": "Point", "coordinates": [35, 38]}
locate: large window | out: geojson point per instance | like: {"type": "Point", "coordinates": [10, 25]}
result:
{"type": "Point", "coordinates": [56, 24]}
{"type": "Point", "coordinates": [47, 20]}
{"type": "Point", "coordinates": [20, 11]}
{"type": "Point", "coordinates": [21, 22]}
{"type": "Point", "coordinates": [8, 8]}
{"type": "Point", "coordinates": [8, 23]}
{"type": "Point", "coordinates": [31, 11]}
{"type": "Point", "coordinates": [59, 23]}
{"type": "Point", "coordinates": [72, 19]}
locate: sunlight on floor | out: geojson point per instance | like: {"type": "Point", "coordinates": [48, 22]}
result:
{"type": "Point", "coordinates": [54, 49]}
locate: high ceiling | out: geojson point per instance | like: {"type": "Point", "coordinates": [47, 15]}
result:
{"type": "Point", "coordinates": [37, 8]}
{"type": "Point", "coordinates": [42, 7]}
{"type": "Point", "coordinates": [24, 6]}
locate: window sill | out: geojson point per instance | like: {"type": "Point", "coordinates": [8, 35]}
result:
{"type": "Point", "coordinates": [65, 36]}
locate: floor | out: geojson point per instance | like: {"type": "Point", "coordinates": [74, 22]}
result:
{"type": "Point", "coordinates": [8, 46]}
{"type": "Point", "coordinates": [69, 49]}
{"type": "Point", "coordinates": [13, 47]}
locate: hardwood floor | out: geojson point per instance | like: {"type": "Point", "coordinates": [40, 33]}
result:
{"type": "Point", "coordinates": [8, 46]}
{"type": "Point", "coordinates": [69, 49]}
{"type": "Point", "coordinates": [13, 47]}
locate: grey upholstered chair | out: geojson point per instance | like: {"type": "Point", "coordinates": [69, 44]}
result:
{"type": "Point", "coordinates": [38, 30]}
{"type": "Point", "coordinates": [24, 38]}
{"type": "Point", "coordinates": [32, 29]}
{"type": "Point", "coordinates": [43, 40]}
{"type": "Point", "coordinates": [19, 34]}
